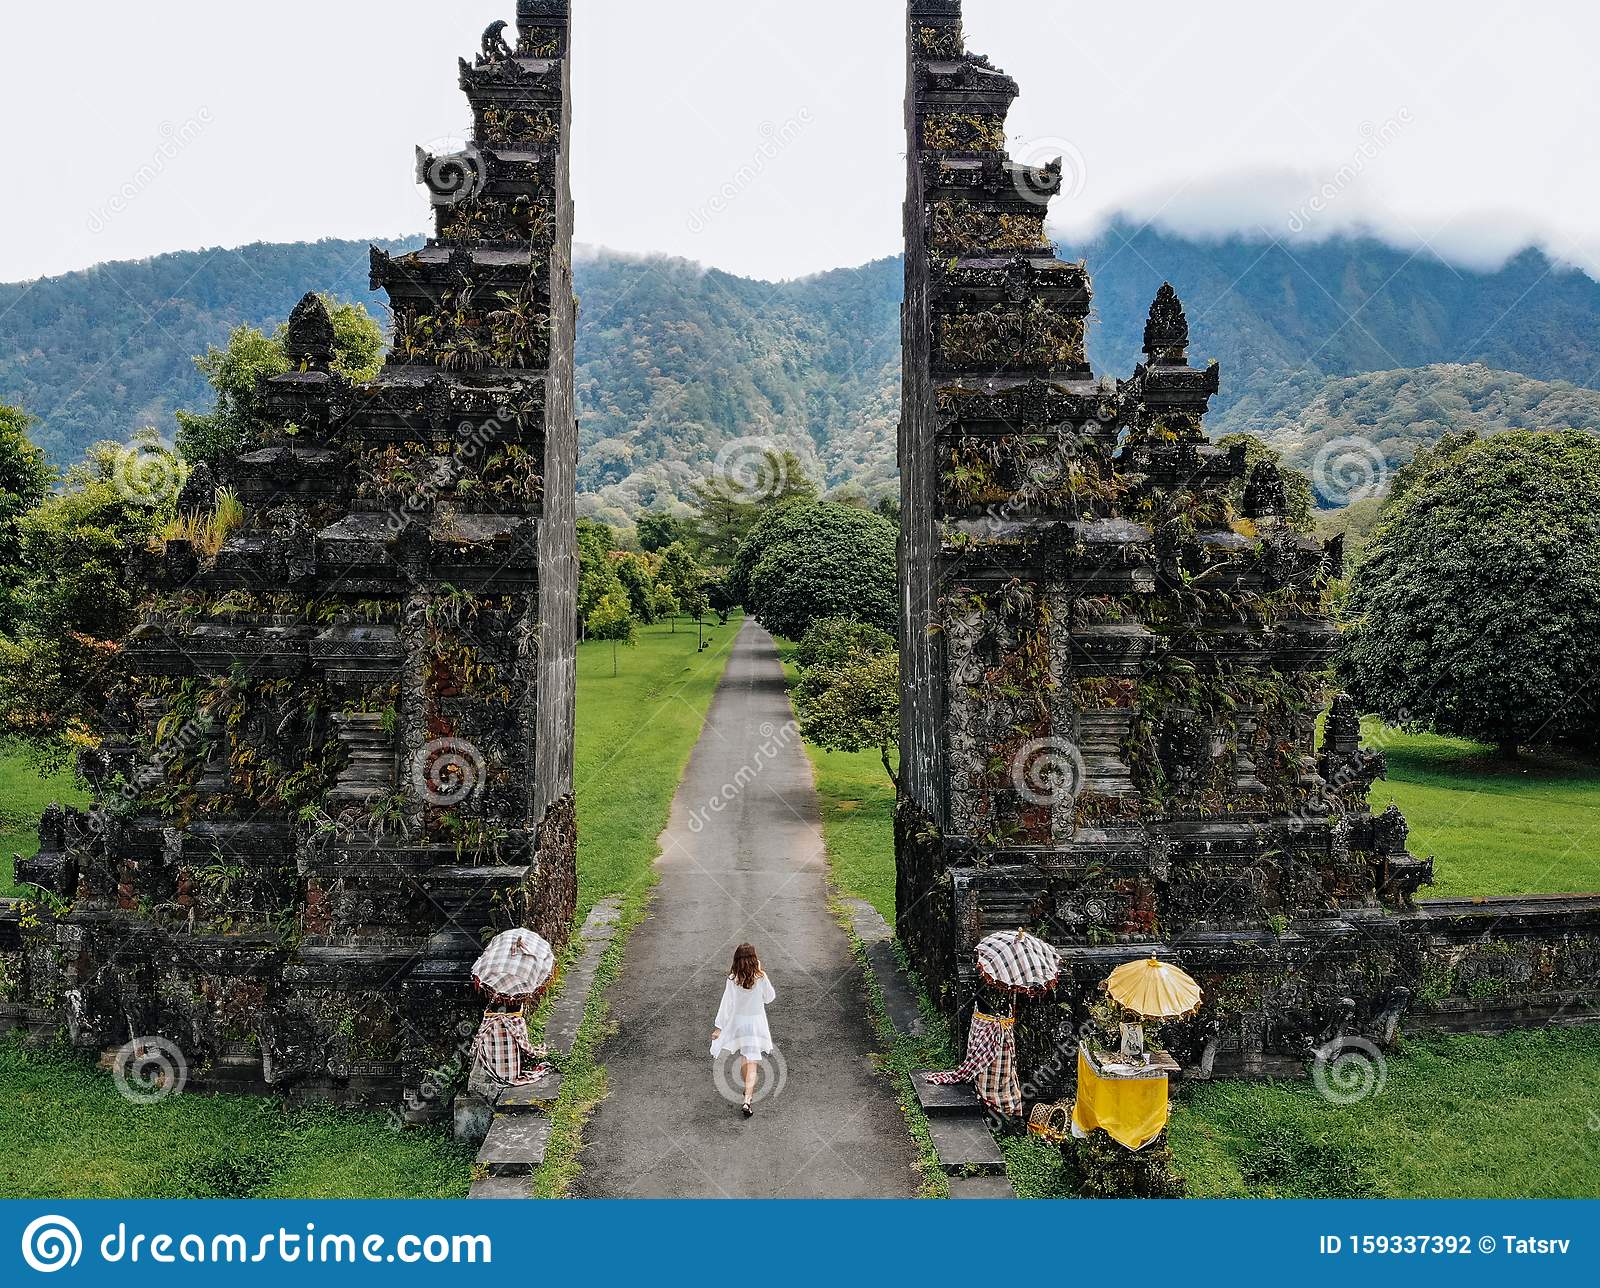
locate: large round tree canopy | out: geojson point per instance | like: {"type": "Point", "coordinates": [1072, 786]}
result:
{"type": "Point", "coordinates": [1477, 609]}
{"type": "Point", "coordinates": [804, 561]}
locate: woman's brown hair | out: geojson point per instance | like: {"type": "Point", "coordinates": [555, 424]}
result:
{"type": "Point", "coordinates": [746, 966]}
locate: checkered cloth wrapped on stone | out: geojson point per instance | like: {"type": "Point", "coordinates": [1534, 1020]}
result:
{"type": "Point", "coordinates": [501, 1043]}
{"type": "Point", "coordinates": [515, 965]}
{"type": "Point", "coordinates": [991, 1064]}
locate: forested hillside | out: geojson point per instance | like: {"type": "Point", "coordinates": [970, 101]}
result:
{"type": "Point", "coordinates": [99, 354]}
{"type": "Point", "coordinates": [1400, 411]}
{"type": "Point", "coordinates": [676, 360]}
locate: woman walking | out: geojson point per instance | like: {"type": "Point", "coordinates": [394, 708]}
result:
{"type": "Point", "coordinates": [742, 1018]}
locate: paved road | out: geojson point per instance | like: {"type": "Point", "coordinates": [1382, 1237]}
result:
{"type": "Point", "coordinates": [754, 870]}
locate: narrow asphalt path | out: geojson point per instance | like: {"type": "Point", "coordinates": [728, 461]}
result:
{"type": "Point", "coordinates": [750, 867]}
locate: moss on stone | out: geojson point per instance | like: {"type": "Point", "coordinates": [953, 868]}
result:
{"type": "Point", "coordinates": [960, 229]}
{"type": "Point", "coordinates": [1030, 335]}
{"type": "Point", "coordinates": [964, 132]}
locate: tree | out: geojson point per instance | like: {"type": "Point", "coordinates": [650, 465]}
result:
{"type": "Point", "coordinates": [695, 602]}
{"type": "Point", "coordinates": [659, 532]}
{"type": "Point", "coordinates": [848, 696]}
{"type": "Point", "coordinates": [613, 620]}
{"type": "Point", "coordinates": [806, 561]}
{"type": "Point", "coordinates": [857, 708]}
{"type": "Point", "coordinates": [727, 505]}
{"type": "Point", "coordinates": [833, 642]}
{"type": "Point", "coordinates": [720, 598]}
{"type": "Point", "coordinates": [57, 668]}
{"type": "Point", "coordinates": [1476, 611]}
{"type": "Point", "coordinates": [638, 576]}
{"type": "Point", "coordinates": [25, 480]}
{"type": "Point", "coordinates": [667, 605]}
{"type": "Point", "coordinates": [237, 420]}
{"type": "Point", "coordinates": [685, 578]}
{"type": "Point", "coordinates": [597, 570]}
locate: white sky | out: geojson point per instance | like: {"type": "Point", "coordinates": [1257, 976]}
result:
{"type": "Point", "coordinates": [1470, 125]}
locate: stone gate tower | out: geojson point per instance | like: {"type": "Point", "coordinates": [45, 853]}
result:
{"type": "Point", "coordinates": [1115, 652]}
{"type": "Point", "coordinates": [340, 754]}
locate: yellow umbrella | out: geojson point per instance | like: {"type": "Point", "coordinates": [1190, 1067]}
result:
{"type": "Point", "coordinates": [1154, 989]}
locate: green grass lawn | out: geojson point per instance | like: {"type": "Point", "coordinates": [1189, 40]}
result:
{"type": "Point", "coordinates": [23, 797]}
{"type": "Point", "coordinates": [858, 823]}
{"type": "Point", "coordinates": [635, 733]}
{"type": "Point", "coordinates": [1530, 826]}
{"type": "Point", "coordinates": [1515, 1116]}
{"type": "Point", "coordinates": [65, 1131]}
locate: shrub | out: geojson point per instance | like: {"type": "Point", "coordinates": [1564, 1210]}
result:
{"type": "Point", "coordinates": [806, 561]}
{"type": "Point", "coordinates": [1476, 611]}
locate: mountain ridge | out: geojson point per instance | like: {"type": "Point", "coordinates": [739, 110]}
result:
{"type": "Point", "coordinates": [677, 359]}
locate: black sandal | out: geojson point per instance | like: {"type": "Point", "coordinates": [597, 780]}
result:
{"type": "Point", "coordinates": [748, 1111]}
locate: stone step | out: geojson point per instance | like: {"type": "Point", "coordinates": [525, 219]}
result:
{"type": "Point", "coordinates": [520, 1131]}
{"type": "Point", "coordinates": [515, 1145]}
{"type": "Point", "coordinates": [899, 1002]}
{"type": "Point", "coordinates": [566, 1012]}
{"type": "Point", "coordinates": [941, 1098]}
{"type": "Point", "coordinates": [502, 1187]}
{"type": "Point", "coordinates": [877, 939]}
{"type": "Point", "coordinates": [966, 1145]}
{"type": "Point", "coordinates": [535, 1098]}
{"type": "Point", "coordinates": [981, 1187]}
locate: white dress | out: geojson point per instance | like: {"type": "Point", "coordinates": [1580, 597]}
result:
{"type": "Point", "coordinates": [742, 1020]}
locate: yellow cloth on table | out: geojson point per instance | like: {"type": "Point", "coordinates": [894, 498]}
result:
{"type": "Point", "coordinates": [1132, 1111]}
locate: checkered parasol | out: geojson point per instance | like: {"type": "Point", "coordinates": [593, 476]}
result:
{"type": "Point", "coordinates": [516, 964]}
{"type": "Point", "coordinates": [1019, 962]}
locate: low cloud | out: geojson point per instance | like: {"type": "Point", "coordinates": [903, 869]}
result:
{"type": "Point", "coordinates": [1306, 206]}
